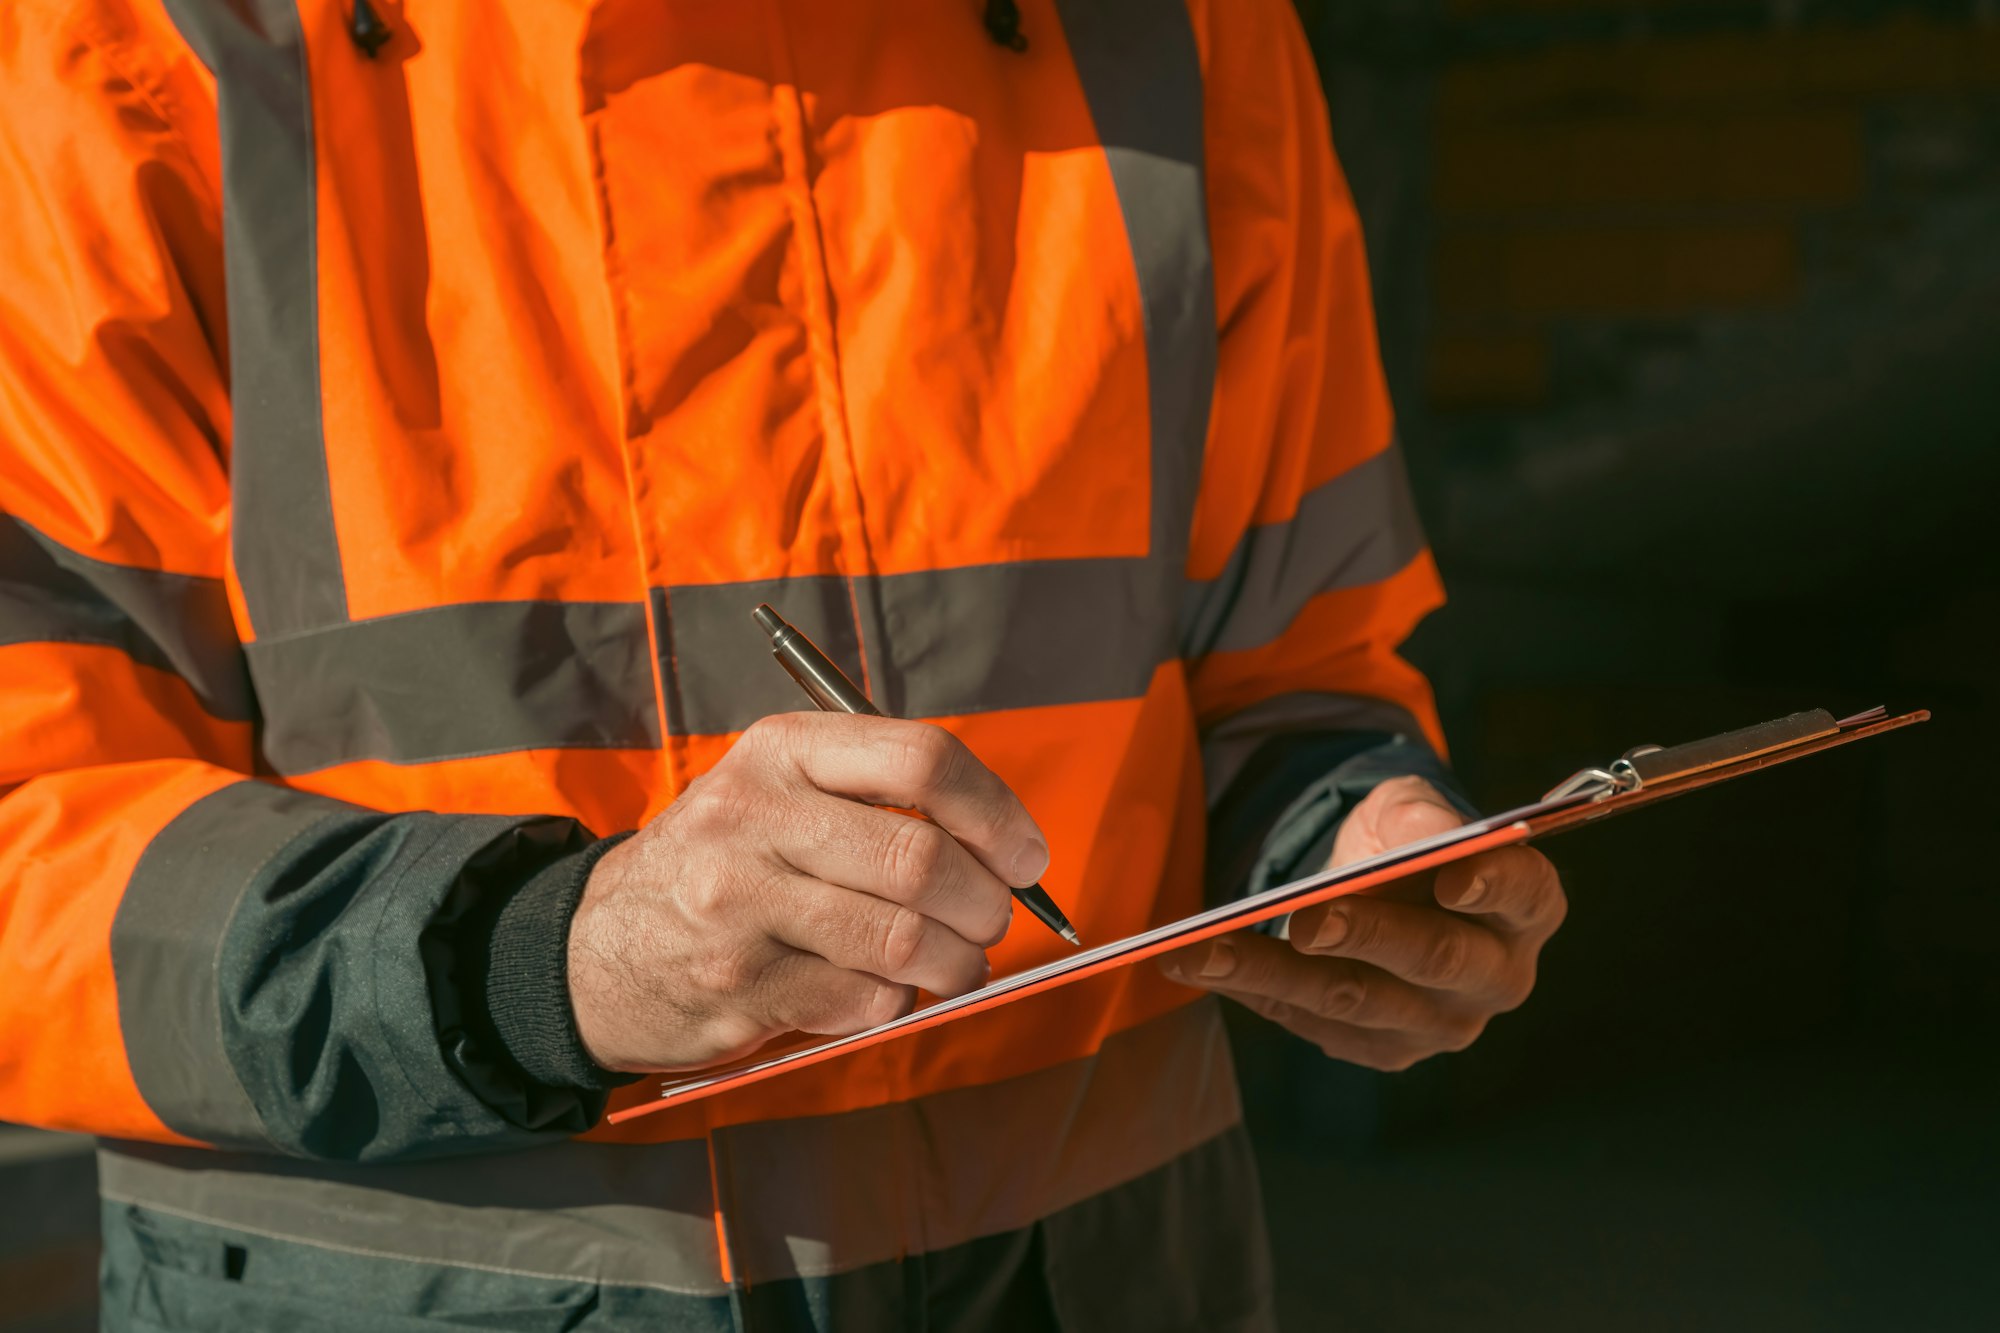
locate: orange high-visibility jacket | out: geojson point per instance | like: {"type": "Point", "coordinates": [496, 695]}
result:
{"type": "Point", "coordinates": [393, 444]}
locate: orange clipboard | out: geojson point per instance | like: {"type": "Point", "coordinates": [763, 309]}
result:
{"type": "Point", "coordinates": [1644, 775]}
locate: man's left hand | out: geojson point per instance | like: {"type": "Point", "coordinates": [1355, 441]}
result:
{"type": "Point", "coordinates": [1383, 983]}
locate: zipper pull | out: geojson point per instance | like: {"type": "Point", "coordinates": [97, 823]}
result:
{"type": "Point", "coordinates": [1003, 24]}
{"type": "Point", "coordinates": [366, 28]}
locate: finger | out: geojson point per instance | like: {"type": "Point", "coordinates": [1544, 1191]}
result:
{"type": "Point", "coordinates": [1364, 996]}
{"type": "Point", "coordinates": [805, 992]}
{"type": "Point", "coordinates": [1258, 971]}
{"type": "Point", "coordinates": [900, 859]}
{"type": "Point", "coordinates": [1422, 945]}
{"type": "Point", "coordinates": [1256, 966]}
{"type": "Point", "coordinates": [1396, 813]}
{"type": "Point", "coordinates": [1514, 889]}
{"type": "Point", "coordinates": [1248, 964]}
{"type": "Point", "coordinates": [859, 932]}
{"type": "Point", "coordinates": [885, 761]}
{"type": "Point", "coordinates": [1372, 1048]}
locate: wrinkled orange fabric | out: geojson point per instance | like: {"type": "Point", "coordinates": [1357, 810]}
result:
{"type": "Point", "coordinates": [607, 304]}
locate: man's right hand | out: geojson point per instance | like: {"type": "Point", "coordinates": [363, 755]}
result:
{"type": "Point", "coordinates": [773, 894]}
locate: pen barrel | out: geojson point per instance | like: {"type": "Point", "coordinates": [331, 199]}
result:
{"type": "Point", "coordinates": [824, 683]}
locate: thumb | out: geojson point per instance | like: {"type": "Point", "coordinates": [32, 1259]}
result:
{"type": "Point", "coordinates": [1400, 811]}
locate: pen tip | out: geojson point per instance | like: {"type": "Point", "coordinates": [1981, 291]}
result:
{"type": "Point", "coordinates": [1069, 933]}
{"type": "Point", "coordinates": [767, 619]}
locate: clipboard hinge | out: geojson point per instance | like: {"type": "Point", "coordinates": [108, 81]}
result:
{"type": "Point", "coordinates": [1655, 763]}
{"type": "Point", "coordinates": [1596, 783]}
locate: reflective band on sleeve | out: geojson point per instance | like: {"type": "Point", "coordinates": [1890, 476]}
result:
{"type": "Point", "coordinates": [172, 622]}
{"type": "Point", "coordinates": [1358, 528]}
{"type": "Point", "coordinates": [1141, 74]}
{"type": "Point", "coordinates": [166, 944]}
{"type": "Point", "coordinates": [287, 557]}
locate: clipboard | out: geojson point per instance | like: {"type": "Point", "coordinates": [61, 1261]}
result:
{"type": "Point", "coordinates": [1641, 776]}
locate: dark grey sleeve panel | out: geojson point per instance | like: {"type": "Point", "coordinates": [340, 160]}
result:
{"type": "Point", "coordinates": [1277, 820]}
{"type": "Point", "coordinates": [171, 622]}
{"type": "Point", "coordinates": [280, 959]}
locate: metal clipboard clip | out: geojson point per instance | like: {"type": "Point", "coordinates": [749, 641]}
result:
{"type": "Point", "coordinates": [1643, 764]}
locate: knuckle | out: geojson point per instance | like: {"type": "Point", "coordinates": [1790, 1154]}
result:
{"type": "Point", "coordinates": [1364, 930]}
{"type": "Point", "coordinates": [1340, 994]}
{"type": "Point", "coordinates": [721, 802]}
{"type": "Point", "coordinates": [901, 942]}
{"type": "Point", "coordinates": [1003, 920]}
{"type": "Point", "coordinates": [1277, 1011]}
{"type": "Point", "coordinates": [729, 972]}
{"type": "Point", "coordinates": [776, 731]}
{"type": "Point", "coordinates": [709, 897]}
{"type": "Point", "coordinates": [884, 1002]}
{"type": "Point", "coordinates": [929, 756]}
{"type": "Point", "coordinates": [1557, 909]}
{"type": "Point", "coordinates": [1461, 1034]}
{"type": "Point", "coordinates": [1517, 989]}
{"type": "Point", "coordinates": [1388, 1060]}
{"type": "Point", "coordinates": [1444, 960]}
{"type": "Point", "coordinates": [914, 858]}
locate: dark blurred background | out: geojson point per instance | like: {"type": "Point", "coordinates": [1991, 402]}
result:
{"type": "Point", "coordinates": [1691, 309]}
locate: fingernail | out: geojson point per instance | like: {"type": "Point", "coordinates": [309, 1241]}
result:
{"type": "Point", "coordinates": [1030, 863]}
{"type": "Point", "coordinates": [1220, 962]}
{"type": "Point", "coordinates": [1332, 930]}
{"type": "Point", "coordinates": [1473, 892]}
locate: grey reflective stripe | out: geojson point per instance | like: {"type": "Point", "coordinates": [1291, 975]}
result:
{"type": "Point", "coordinates": [172, 622]}
{"type": "Point", "coordinates": [455, 681]}
{"type": "Point", "coordinates": [166, 941]}
{"type": "Point", "coordinates": [1228, 745]}
{"type": "Point", "coordinates": [638, 1215]}
{"type": "Point", "coordinates": [973, 639]}
{"type": "Point", "coordinates": [1141, 74]}
{"type": "Point", "coordinates": [1094, 1265]}
{"type": "Point", "coordinates": [487, 677]}
{"type": "Point", "coordinates": [287, 558]}
{"type": "Point", "coordinates": [804, 1197]}
{"type": "Point", "coordinates": [1357, 528]}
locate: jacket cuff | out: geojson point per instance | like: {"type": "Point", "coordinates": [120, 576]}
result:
{"type": "Point", "coordinates": [526, 987]}
{"type": "Point", "coordinates": [1280, 818]}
